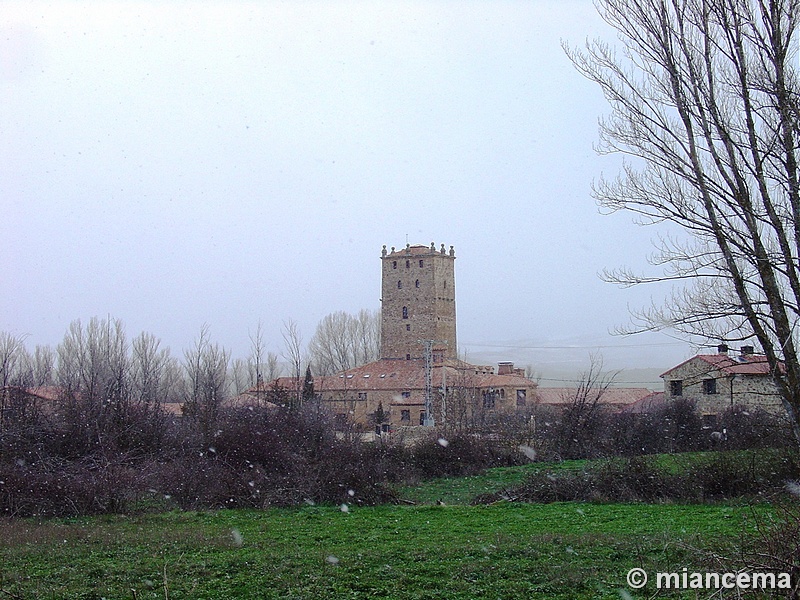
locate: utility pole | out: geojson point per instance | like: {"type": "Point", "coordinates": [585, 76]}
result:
{"type": "Point", "coordinates": [429, 421]}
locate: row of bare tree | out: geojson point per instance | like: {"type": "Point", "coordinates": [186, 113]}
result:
{"type": "Point", "coordinates": [98, 358]}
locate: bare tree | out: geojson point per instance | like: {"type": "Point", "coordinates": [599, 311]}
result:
{"type": "Point", "coordinates": [705, 98]}
{"type": "Point", "coordinates": [242, 376]}
{"type": "Point", "coordinates": [581, 418]}
{"type": "Point", "coordinates": [12, 373]}
{"type": "Point", "coordinates": [343, 341]}
{"type": "Point", "coordinates": [257, 356]}
{"type": "Point", "coordinates": [206, 367]}
{"type": "Point", "coordinates": [368, 336]}
{"type": "Point", "coordinates": [93, 370]}
{"type": "Point", "coordinates": [42, 367]}
{"type": "Point", "coordinates": [293, 353]}
{"type": "Point", "coordinates": [12, 359]}
{"type": "Point", "coordinates": [261, 366]}
{"type": "Point", "coordinates": [271, 367]}
{"type": "Point", "coordinates": [155, 374]}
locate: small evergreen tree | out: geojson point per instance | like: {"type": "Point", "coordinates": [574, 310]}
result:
{"type": "Point", "coordinates": [380, 416]}
{"type": "Point", "coordinates": [308, 386]}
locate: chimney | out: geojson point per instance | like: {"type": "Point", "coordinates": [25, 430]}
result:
{"type": "Point", "coordinates": [722, 349]}
{"type": "Point", "coordinates": [747, 350]}
{"type": "Point", "coordinates": [505, 368]}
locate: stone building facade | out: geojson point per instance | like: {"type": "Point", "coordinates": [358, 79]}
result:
{"type": "Point", "coordinates": [720, 381]}
{"type": "Point", "coordinates": [418, 302]}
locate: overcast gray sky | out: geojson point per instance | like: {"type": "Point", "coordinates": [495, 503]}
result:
{"type": "Point", "coordinates": [225, 163]}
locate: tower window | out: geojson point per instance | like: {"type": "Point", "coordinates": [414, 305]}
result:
{"type": "Point", "coordinates": [394, 264]}
{"type": "Point", "coordinates": [399, 285]}
{"type": "Point", "coordinates": [405, 312]}
{"type": "Point", "coordinates": [408, 327]}
{"type": "Point", "coordinates": [416, 283]}
{"type": "Point", "coordinates": [421, 263]}
{"type": "Point", "coordinates": [408, 264]}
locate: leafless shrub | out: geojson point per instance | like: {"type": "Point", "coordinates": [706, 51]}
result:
{"type": "Point", "coordinates": [641, 479]}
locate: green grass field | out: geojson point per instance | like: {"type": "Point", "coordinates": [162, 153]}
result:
{"type": "Point", "coordinates": [565, 550]}
{"type": "Point", "coordinates": [506, 550]}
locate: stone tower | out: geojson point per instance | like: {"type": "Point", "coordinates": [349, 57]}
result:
{"type": "Point", "coordinates": [418, 302]}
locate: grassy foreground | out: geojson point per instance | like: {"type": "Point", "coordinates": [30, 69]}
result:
{"type": "Point", "coordinates": [566, 550]}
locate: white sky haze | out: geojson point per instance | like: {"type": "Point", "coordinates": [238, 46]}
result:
{"type": "Point", "coordinates": [225, 163]}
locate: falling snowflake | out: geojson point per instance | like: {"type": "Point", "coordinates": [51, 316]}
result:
{"type": "Point", "coordinates": [238, 540]}
{"type": "Point", "coordinates": [529, 452]}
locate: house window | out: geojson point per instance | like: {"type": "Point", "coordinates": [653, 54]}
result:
{"type": "Point", "coordinates": [405, 416]}
{"type": "Point", "coordinates": [399, 285]}
{"type": "Point", "coordinates": [709, 386]}
{"type": "Point", "coordinates": [676, 387]}
{"type": "Point", "coordinates": [416, 283]}
{"type": "Point", "coordinates": [521, 397]}
{"type": "Point", "coordinates": [362, 395]}
{"type": "Point", "coordinates": [420, 263]}
{"type": "Point", "coordinates": [408, 357]}
{"type": "Point", "coordinates": [408, 327]}
{"type": "Point", "coordinates": [405, 312]}
{"type": "Point", "coordinates": [406, 394]}
{"type": "Point", "coordinates": [488, 400]}
{"type": "Point", "coordinates": [422, 417]}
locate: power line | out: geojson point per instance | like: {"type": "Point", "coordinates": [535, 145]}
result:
{"type": "Point", "coordinates": [573, 347]}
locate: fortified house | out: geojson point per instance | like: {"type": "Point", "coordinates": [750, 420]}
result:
{"type": "Point", "coordinates": [419, 379]}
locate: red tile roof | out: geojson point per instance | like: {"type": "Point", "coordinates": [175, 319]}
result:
{"type": "Point", "coordinates": [50, 393]}
{"type": "Point", "coordinates": [613, 396]}
{"type": "Point", "coordinates": [647, 404]}
{"type": "Point", "coordinates": [744, 364]}
{"type": "Point", "coordinates": [395, 374]}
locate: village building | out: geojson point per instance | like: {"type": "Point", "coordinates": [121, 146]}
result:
{"type": "Point", "coordinates": [616, 399]}
{"type": "Point", "coordinates": [419, 379]}
{"type": "Point", "coordinates": [717, 382]}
